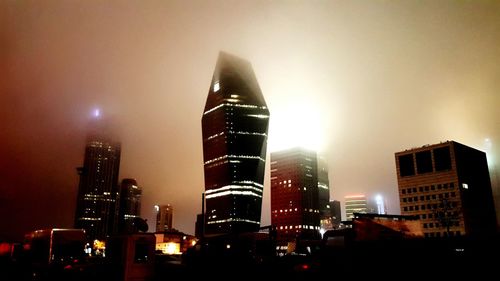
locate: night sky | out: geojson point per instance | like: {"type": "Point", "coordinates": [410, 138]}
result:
{"type": "Point", "coordinates": [358, 80]}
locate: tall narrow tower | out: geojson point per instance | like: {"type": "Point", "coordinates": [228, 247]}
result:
{"type": "Point", "coordinates": [98, 189]}
{"type": "Point", "coordinates": [325, 213]}
{"type": "Point", "coordinates": [130, 205]}
{"type": "Point", "coordinates": [234, 126]}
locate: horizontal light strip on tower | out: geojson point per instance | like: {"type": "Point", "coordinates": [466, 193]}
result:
{"type": "Point", "coordinates": [232, 187]}
{"type": "Point", "coordinates": [237, 133]}
{"type": "Point", "coordinates": [233, 192]}
{"type": "Point", "coordinates": [250, 182]}
{"type": "Point", "coordinates": [248, 133]}
{"type": "Point", "coordinates": [232, 219]}
{"type": "Point", "coordinates": [235, 105]}
{"type": "Point", "coordinates": [214, 136]}
{"type": "Point", "coordinates": [324, 186]}
{"type": "Point", "coordinates": [261, 116]}
{"type": "Point", "coordinates": [235, 156]}
{"type": "Point", "coordinates": [90, 219]}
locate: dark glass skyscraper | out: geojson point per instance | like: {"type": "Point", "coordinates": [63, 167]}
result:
{"type": "Point", "coordinates": [130, 205]}
{"type": "Point", "coordinates": [98, 189]}
{"type": "Point", "coordinates": [234, 123]}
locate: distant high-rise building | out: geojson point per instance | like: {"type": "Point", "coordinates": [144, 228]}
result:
{"type": "Point", "coordinates": [355, 204]}
{"type": "Point", "coordinates": [336, 212]}
{"type": "Point", "coordinates": [294, 194]}
{"type": "Point", "coordinates": [448, 186]}
{"type": "Point", "coordinates": [96, 210]}
{"type": "Point", "coordinates": [325, 213]}
{"type": "Point", "coordinates": [164, 217]}
{"type": "Point", "coordinates": [130, 205]}
{"type": "Point", "coordinates": [234, 126]}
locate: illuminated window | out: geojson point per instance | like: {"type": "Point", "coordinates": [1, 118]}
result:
{"type": "Point", "coordinates": [216, 86]}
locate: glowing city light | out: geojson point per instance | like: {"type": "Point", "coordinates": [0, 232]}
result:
{"type": "Point", "coordinates": [296, 123]}
{"type": "Point", "coordinates": [379, 200]}
{"type": "Point", "coordinates": [97, 112]}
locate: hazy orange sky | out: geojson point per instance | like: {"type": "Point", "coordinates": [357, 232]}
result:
{"type": "Point", "coordinates": [373, 78]}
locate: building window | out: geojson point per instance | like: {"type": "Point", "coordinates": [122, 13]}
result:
{"type": "Point", "coordinates": [422, 198]}
{"type": "Point", "coordinates": [453, 194]}
{"type": "Point", "coordinates": [405, 209]}
{"type": "Point", "coordinates": [404, 200]}
{"type": "Point", "coordinates": [442, 158]}
{"type": "Point", "coordinates": [425, 225]}
{"type": "Point", "coordinates": [424, 162]}
{"type": "Point", "coordinates": [403, 191]}
{"type": "Point", "coordinates": [406, 166]}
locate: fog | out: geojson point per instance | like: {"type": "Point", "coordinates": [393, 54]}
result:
{"type": "Point", "coordinates": [374, 77]}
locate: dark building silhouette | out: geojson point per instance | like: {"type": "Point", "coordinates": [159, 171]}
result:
{"type": "Point", "coordinates": [130, 205]}
{"type": "Point", "coordinates": [198, 229]}
{"type": "Point", "coordinates": [325, 213]}
{"type": "Point", "coordinates": [336, 213]}
{"type": "Point", "coordinates": [234, 126]}
{"type": "Point", "coordinates": [96, 210]}
{"type": "Point", "coordinates": [448, 186]}
{"type": "Point", "coordinates": [294, 194]}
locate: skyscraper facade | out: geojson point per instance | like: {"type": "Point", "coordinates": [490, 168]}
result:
{"type": "Point", "coordinates": [130, 205]}
{"type": "Point", "coordinates": [448, 186]}
{"type": "Point", "coordinates": [234, 128]}
{"type": "Point", "coordinates": [164, 217]}
{"type": "Point", "coordinates": [295, 210]}
{"type": "Point", "coordinates": [355, 204]}
{"type": "Point", "coordinates": [96, 210]}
